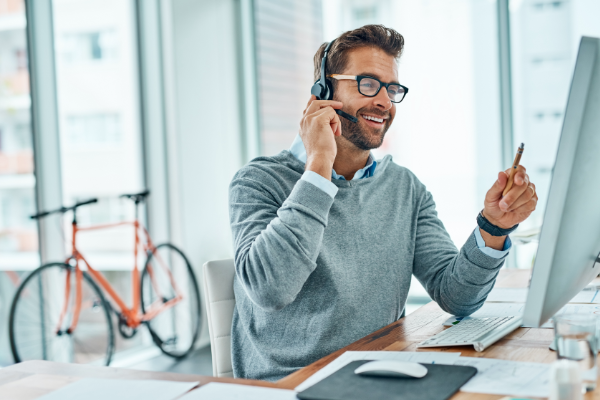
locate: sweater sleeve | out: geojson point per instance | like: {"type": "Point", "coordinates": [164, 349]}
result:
{"type": "Point", "coordinates": [276, 245]}
{"type": "Point", "coordinates": [459, 281]}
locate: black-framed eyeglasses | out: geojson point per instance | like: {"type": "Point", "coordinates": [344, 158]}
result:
{"type": "Point", "coordinates": [370, 87]}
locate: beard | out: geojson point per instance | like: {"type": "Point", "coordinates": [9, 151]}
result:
{"type": "Point", "coordinates": [365, 137]}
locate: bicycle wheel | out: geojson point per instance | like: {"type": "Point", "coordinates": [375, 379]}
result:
{"type": "Point", "coordinates": [35, 312]}
{"type": "Point", "coordinates": [175, 329]}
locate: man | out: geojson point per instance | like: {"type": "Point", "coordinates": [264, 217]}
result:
{"type": "Point", "coordinates": [326, 238]}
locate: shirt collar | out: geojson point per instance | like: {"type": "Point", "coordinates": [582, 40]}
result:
{"type": "Point", "coordinates": [299, 151]}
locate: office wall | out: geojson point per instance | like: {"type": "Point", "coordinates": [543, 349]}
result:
{"type": "Point", "coordinates": [204, 124]}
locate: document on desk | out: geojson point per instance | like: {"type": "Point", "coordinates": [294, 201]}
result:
{"type": "Point", "coordinates": [514, 309]}
{"type": "Point", "coordinates": [519, 295]}
{"type": "Point", "coordinates": [429, 357]}
{"type": "Point", "coordinates": [229, 391]}
{"type": "Point", "coordinates": [512, 378]}
{"type": "Point", "coordinates": [120, 389]}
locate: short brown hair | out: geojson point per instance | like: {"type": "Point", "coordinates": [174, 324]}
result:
{"type": "Point", "coordinates": [386, 39]}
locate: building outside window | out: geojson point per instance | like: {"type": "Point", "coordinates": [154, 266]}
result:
{"type": "Point", "coordinates": [18, 234]}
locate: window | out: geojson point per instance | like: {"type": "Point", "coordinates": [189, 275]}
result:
{"type": "Point", "coordinates": [288, 34]}
{"type": "Point", "coordinates": [545, 39]}
{"type": "Point", "coordinates": [100, 134]}
{"type": "Point", "coordinates": [93, 130]}
{"type": "Point", "coordinates": [447, 129]}
{"type": "Point", "coordinates": [18, 234]}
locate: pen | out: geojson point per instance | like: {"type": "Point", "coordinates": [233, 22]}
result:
{"type": "Point", "coordinates": [514, 169]}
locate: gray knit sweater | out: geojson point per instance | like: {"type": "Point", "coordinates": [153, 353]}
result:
{"type": "Point", "coordinates": [314, 274]}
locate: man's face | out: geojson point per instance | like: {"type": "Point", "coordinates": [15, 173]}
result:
{"type": "Point", "coordinates": [367, 134]}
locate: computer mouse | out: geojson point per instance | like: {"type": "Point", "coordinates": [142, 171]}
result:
{"type": "Point", "coordinates": [394, 369]}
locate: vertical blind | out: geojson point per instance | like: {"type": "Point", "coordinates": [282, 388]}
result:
{"type": "Point", "coordinates": [288, 34]}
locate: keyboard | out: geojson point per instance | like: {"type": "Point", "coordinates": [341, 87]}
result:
{"type": "Point", "coordinates": [479, 332]}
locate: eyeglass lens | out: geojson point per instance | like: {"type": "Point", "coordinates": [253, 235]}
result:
{"type": "Point", "coordinates": [369, 87]}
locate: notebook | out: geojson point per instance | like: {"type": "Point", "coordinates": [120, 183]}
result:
{"type": "Point", "coordinates": [440, 383]}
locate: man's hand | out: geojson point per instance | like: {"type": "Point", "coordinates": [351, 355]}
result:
{"type": "Point", "coordinates": [516, 206]}
{"type": "Point", "coordinates": [318, 127]}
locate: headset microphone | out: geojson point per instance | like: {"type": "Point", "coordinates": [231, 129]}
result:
{"type": "Point", "coordinates": [323, 89]}
{"type": "Point", "coordinates": [346, 115]}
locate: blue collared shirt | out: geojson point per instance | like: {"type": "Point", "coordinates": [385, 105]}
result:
{"type": "Point", "coordinates": [299, 151]}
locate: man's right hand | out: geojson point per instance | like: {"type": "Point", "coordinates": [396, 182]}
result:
{"type": "Point", "coordinates": [318, 127]}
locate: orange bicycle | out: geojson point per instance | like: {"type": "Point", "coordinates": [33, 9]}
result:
{"type": "Point", "coordinates": [60, 312]}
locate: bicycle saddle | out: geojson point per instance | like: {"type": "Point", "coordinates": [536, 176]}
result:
{"type": "Point", "coordinates": [137, 197]}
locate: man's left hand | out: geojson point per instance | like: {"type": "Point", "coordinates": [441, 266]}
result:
{"type": "Point", "coordinates": [514, 208]}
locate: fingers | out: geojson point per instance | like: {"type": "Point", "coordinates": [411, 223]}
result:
{"type": "Point", "coordinates": [315, 105]}
{"type": "Point", "coordinates": [527, 197]}
{"type": "Point", "coordinates": [527, 208]}
{"type": "Point", "coordinates": [520, 175]}
{"type": "Point", "coordinates": [520, 185]}
{"type": "Point", "coordinates": [310, 100]}
{"type": "Point", "coordinates": [330, 117]}
{"type": "Point", "coordinates": [495, 193]}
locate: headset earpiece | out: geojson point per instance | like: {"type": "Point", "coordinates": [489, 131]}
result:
{"type": "Point", "coordinates": [317, 90]}
{"type": "Point", "coordinates": [322, 89]}
{"type": "Point", "coordinates": [322, 92]}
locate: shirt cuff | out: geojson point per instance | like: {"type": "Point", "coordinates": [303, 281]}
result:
{"type": "Point", "coordinates": [488, 250]}
{"type": "Point", "coordinates": [320, 182]}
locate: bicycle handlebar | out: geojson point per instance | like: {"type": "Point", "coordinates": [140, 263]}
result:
{"type": "Point", "coordinates": [83, 203]}
{"type": "Point", "coordinates": [63, 209]}
{"type": "Point", "coordinates": [137, 197]}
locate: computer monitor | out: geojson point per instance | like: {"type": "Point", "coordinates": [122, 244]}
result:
{"type": "Point", "coordinates": [568, 256]}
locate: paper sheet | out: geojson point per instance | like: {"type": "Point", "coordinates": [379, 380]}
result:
{"type": "Point", "coordinates": [519, 295]}
{"type": "Point", "coordinates": [510, 309]}
{"type": "Point", "coordinates": [512, 378]}
{"type": "Point", "coordinates": [349, 356]}
{"type": "Point", "coordinates": [120, 389]}
{"type": "Point", "coordinates": [228, 391]}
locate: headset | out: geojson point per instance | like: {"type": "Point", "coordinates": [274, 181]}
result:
{"type": "Point", "coordinates": [323, 89]}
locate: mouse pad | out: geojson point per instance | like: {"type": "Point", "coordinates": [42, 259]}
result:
{"type": "Point", "coordinates": [441, 382]}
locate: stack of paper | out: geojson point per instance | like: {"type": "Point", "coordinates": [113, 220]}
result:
{"type": "Point", "coordinates": [512, 378]}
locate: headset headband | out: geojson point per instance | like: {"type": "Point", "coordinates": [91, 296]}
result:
{"type": "Point", "coordinates": [324, 63]}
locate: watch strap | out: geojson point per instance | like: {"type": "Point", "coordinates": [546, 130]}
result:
{"type": "Point", "coordinates": [491, 228]}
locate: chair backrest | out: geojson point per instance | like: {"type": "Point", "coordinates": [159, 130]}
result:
{"type": "Point", "coordinates": [220, 303]}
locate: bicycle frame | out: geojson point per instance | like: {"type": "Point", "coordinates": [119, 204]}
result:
{"type": "Point", "coordinates": [133, 316]}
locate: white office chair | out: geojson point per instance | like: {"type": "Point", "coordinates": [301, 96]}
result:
{"type": "Point", "coordinates": [220, 303]}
